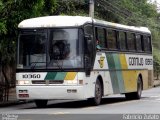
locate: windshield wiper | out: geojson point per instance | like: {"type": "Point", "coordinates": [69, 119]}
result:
{"type": "Point", "coordinates": [58, 64]}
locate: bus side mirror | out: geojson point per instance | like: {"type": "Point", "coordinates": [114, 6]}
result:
{"type": "Point", "coordinates": [89, 42]}
{"type": "Point", "coordinates": [88, 38]}
{"type": "Point", "coordinates": [88, 55]}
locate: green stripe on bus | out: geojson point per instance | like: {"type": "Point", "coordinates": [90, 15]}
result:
{"type": "Point", "coordinates": [60, 75]}
{"type": "Point", "coordinates": [50, 76]}
{"type": "Point", "coordinates": [55, 75]}
{"type": "Point", "coordinates": [119, 72]}
{"type": "Point", "coordinates": [114, 80]}
{"type": "Point", "coordinates": [116, 61]}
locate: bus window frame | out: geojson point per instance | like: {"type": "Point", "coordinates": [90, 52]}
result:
{"type": "Point", "coordinates": [134, 40]}
{"type": "Point", "coordinates": [119, 45]}
{"type": "Point", "coordinates": [115, 31]}
{"type": "Point", "coordinates": [149, 45]}
{"type": "Point", "coordinates": [105, 36]}
{"type": "Point", "coordinates": [139, 51]}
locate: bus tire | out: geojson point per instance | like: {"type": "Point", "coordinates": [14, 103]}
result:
{"type": "Point", "coordinates": [137, 94]}
{"type": "Point", "coordinates": [41, 103]}
{"type": "Point", "coordinates": [98, 94]}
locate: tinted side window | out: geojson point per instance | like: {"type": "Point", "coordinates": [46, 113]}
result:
{"type": "Point", "coordinates": [131, 41]}
{"type": "Point", "coordinates": [111, 39]}
{"type": "Point", "coordinates": [147, 43]}
{"type": "Point", "coordinates": [138, 43]}
{"type": "Point", "coordinates": [122, 40]}
{"type": "Point", "coordinates": [101, 37]}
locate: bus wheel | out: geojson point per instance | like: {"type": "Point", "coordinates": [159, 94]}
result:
{"type": "Point", "coordinates": [137, 94]}
{"type": "Point", "coordinates": [98, 94]}
{"type": "Point", "coordinates": [41, 103]}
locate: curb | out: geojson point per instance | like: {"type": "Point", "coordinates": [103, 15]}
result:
{"type": "Point", "coordinates": [10, 103]}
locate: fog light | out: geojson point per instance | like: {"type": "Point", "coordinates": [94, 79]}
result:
{"type": "Point", "coordinates": [22, 82]}
{"type": "Point", "coordinates": [71, 90]}
{"type": "Point", "coordinates": [23, 91]}
{"type": "Point", "coordinates": [74, 91]}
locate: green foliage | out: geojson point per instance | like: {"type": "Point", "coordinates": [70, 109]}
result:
{"type": "Point", "coordinates": [156, 62]}
{"type": "Point", "coordinates": [130, 12]}
{"type": "Point", "coordinates": [11, 13]}
{"type": "Point", "coordinates": [3, 29]}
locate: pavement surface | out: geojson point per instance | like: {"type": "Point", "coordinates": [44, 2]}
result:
{"type": "Point", "coordinates": [11, 99]}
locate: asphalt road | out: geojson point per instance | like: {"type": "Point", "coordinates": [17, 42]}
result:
{"type": "Point", "coordinates": [112, 106]}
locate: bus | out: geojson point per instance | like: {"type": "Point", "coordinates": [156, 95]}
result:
{"type": "Point", "coordinates": [81, 58]}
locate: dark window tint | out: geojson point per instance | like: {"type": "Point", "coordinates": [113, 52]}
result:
{"type": "Point", "coordinates": [122, 40]}
{"type": "Point", "coordinates": [147, 43]}
{"type": "Point", "coordinates": [138, 43]}
{"type": "Point", "coordinates": [111, 39]}
{"type": "Point", "coordinates": [131, 41]}
{"type": "Point", "coordinates": [101, 37]}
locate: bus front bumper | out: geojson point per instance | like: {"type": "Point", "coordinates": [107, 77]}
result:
{"type": "Point", "coordinates": [50, 92]}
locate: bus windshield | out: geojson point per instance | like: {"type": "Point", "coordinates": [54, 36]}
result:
{"type": "Point", "coordinates": [32, 46]}
{"type": "Point", "coordinates": [50, 49]}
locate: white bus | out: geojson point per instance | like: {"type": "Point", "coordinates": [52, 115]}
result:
{"type": "Point", "coordinates": [75, 57]}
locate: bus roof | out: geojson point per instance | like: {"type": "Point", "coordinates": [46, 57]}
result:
{"type": "Point", "coordinates": [72, 21]}
{"type": "Point", "coordinates": [54, 21]}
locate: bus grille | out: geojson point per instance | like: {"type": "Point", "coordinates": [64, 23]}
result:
{"type": "Point", "coordinates": [47, 81]}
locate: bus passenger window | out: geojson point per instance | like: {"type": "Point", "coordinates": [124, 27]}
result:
{"type": "Point", "coordinates": [111, 39]}
{"type": "Point", "coordinates": [131, 41]}
{"type": "Point", "coordinates": [101, 37]}
{"type": "Point", "coordinates": [122, 40]}
{"type": "Point", "coordinates": [147, 43]}
{"type": "Point", "coordinates": [138, 43]}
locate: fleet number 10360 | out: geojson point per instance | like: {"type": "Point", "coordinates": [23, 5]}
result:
{"type": "Point", "coordinates": [31, 76]}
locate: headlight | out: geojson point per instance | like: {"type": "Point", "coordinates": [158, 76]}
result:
{"type": "Point", "coordinates": [71, 82]}
{"type": "Point", "coordinates": [23, 82]}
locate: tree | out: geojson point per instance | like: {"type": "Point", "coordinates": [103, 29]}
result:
{"type": "Point", "coordinates": [156, 63]}
{"type": "Point", "coordinates": [129, 12]}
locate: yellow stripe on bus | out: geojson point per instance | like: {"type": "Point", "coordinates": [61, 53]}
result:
{"type": "Point", "coordinates": [130, 83]}
{"type": "Point", "coordinates": [70, 76]}
{"type": "Point", "coordinates": [123, 61]}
